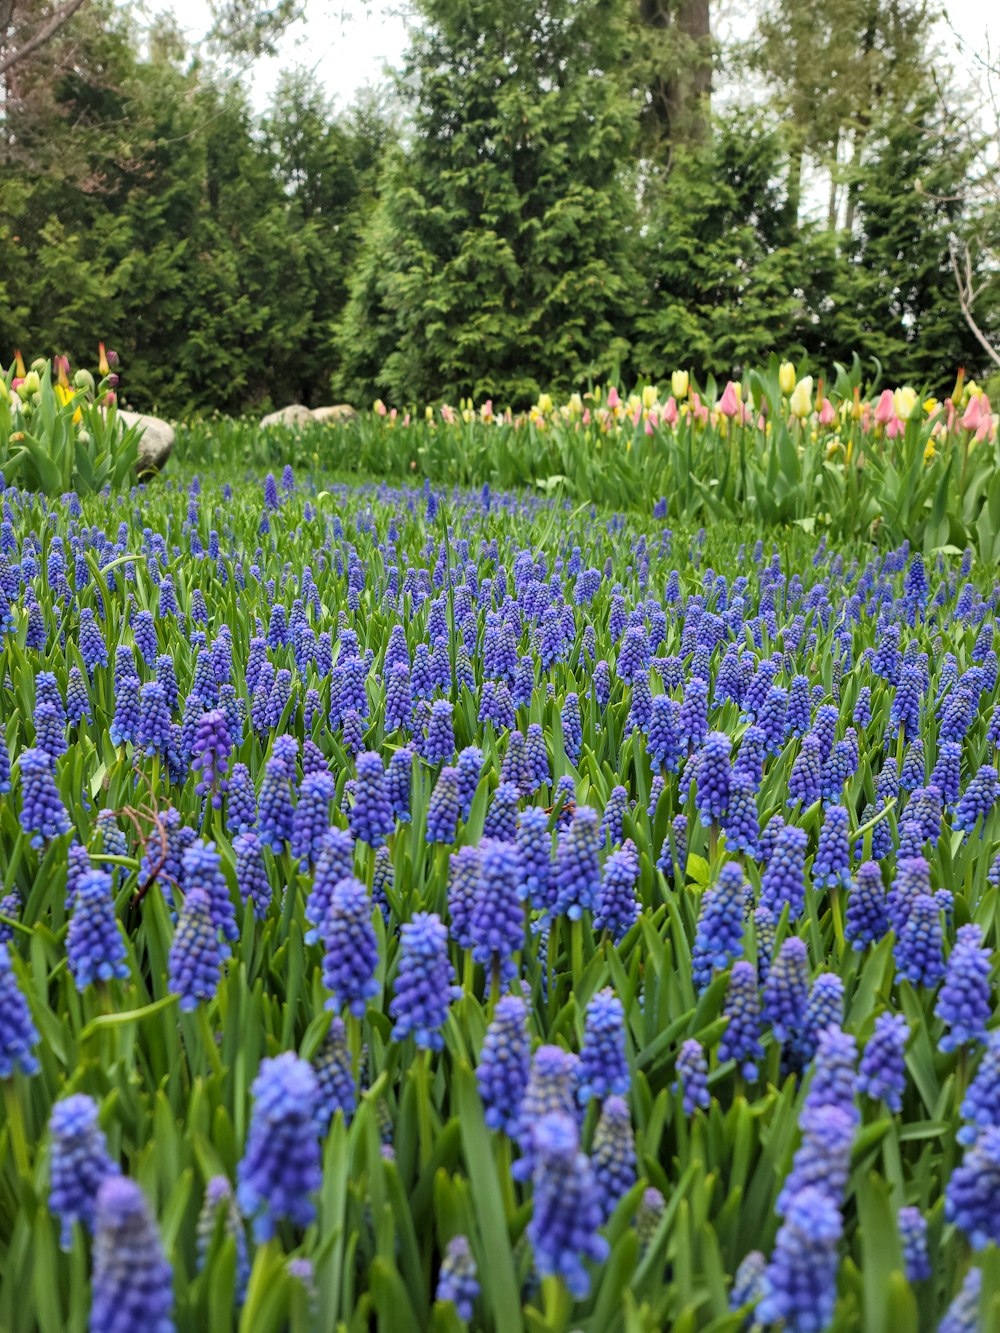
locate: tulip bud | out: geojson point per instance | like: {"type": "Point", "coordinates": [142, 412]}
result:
{"type": "Point", "coordinates": [31, 384]}
{"type": "Point", "coordinates": [19, 370]}
{"type": "Point", "coordinates": [800, 401]}
{"type": "Point", "coordinates": [786, 378]}
{"type": "Point", "coordinates": [904, 400]}
{"type": "Point", "coordinates": [679, 383]}
{"type": "Point", "coordinates": [84, 380]}
{"type": "Point", "coordinates": [885, 409]}
{"type": "Point", "coordinates": [959, 389]}
{"type": "Point", "coordinates": [729, 403]}
{"type": "Point", "coordinates": [649, 395]}
{"type": "Point", "coordinates": [613, 398]}
{"type": "Point", "coordinates": [103, 365]}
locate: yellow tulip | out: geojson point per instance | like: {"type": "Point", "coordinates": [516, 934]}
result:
{"type": "Point", "coordinates": [544, 402]}
{"type": "Point", "coordinates": [800, 400]}
{"type": "Point", "coordinates": [679, 384]}
{"type": "Point", "coordinates": [930, 406]}
{"type": "Point", "coordinates": [929, 451]}
{"type": "Point", "coordinates": [786, 378]}
{"type": "Point", "coordinates": [649, 396]}
{"type": "Point", "coordinates": [575, 404]}
{"type": "Point", "coordinates": [904, 401]}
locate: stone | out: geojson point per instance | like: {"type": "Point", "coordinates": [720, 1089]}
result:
{"type": "Point", "coordinates": [294, 415]}
{"type": "Point", "coordinates": [156, 442]}
{"type": "Point", "coordinates": [337, 415]}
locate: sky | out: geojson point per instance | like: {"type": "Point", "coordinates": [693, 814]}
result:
{"type": "Point", "coordinates": [349, 43]}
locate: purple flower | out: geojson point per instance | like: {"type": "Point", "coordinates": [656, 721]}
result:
{"type": "Point", "coordinates": [617, 909]}
{"type": "Point", "coordinates": [219, 1208]}
{"type": "Point", "coordinates": [962, 1315]}
{"type": "Point", "coordinates": [351, 957]}
{"type": "Point", "coordinates": [741, 1039]}
{"type": "Point", "coordinates": [457, 1278]}
{"type": "Point", "coordinates": [981, 1104]}
{"type": "Point", "coordinates": [504, 1064]}
{"type": "Point", "coordinates": [95, 949]}
{"type": "Point", "coordinates": [334, 862]}
{"type": "Point", "coordinates": [195, 960]}
{"type": "Point", "coordinates": [444, 808]}
{"type": "Point", "coordinates": [918, 951]}
{"type": "Point", "coordinates": [882, 1075]}
{"type": "Point", "coordinates": [971, 1193]}
{"type": "Point", "coordinates": [566, 1217]}
{"type": "Point", "coordinates": [964, 1001]}
{"type": "Point", "coordinates": [18, 1035]}
{"type": "Point", "coordinates": [424, 986]}
{"type": "Point", "coordinates": [783, 882]}
{"type": "Point", "coordinates": [496, 928]}
{"type": "Point", "coordinates": [311, 820]}
{"type": "Point", "coordinates": [603, 1067]}
{"type": "Point", "coordinates": [251, 872]}
{"type": "Point", "coordinates": [550, 1088]}
{"type": "Point", "coordinates": [132, 1283]}
{"type": "Point", "coordinates": [210, 752]}
{"type": "Point", "coordinates": [202, 869]}
{"type": "Point", "coordinates": [334, 1078]}
{"type": "Point", "coordinates": [866, 920]}
{"type": "Point", "coordinates": [800, 1282]}
{"type": "Point", "coordinates": [280, 1168]}
{"type": "Point", "coordinates": [831, 866]}
{"type": "Point", "coordinates": [786, 990]}
{"type": "Point", "coordinates": [692, 1077]}
{"type": "Point", "coordinates": [43, 815]}
{"type": "Point", "coordinates": [913, 1234]}
{"type": "Point", "coordinates": [719, 936]}
{"type": "Point", "coordinates": [978, 799]}
{"type": "Point", "coordinates": [577, 878]}
{"type": "Point", "coordinates": [79, 1164]}
{"type": "Point", "coordinates": [614, 1154]}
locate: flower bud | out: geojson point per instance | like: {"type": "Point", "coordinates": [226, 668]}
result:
{"type": "Point", "coordinates": [679, 383]}
{"type": "Point", "coordinates": [786, 378]}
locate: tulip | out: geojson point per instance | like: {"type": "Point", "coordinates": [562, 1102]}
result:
{"type": "Point", "coordinates": [904, 401]}
{"type": "Point", "coordinates": [959, 389]}
{"type": "Point", "coordinates": [786, 378]}
{"type": "Point", "coordinates": [649, 395]}
{"type": "Point", "coordinates": [19, 370]}
{"type": "Point", "coordinates": [670, 412]}
{"type": "Point", "coordinates": [885, 410]}
{"type": "Point", "coordinates": [586, 416]}
{"type": "Point", "coordinates": [729, 403]}
{"type": "Point", "coordinates": [32, 383]}
{"type": "Point", "coordinates": [545, 403]}
{"type": "Point", "coordinates": [637, 415]}
{"type": "Point", "coordinates": [895, 427]}
{"type": "Point", "coordinates": [679, 383]}
{"type": "Point", "coordinates": [972, 415]}
{"type": "Point", "coordinates": [827, 416]}
{"type": "Point", "coordinates": [800, 402]}
{"type": "Point", "coordinates": [103, 365]}
{"type": "Point", "coordinates": [379, 407]}
{"type": "Point", "coordinates": [613, 399]}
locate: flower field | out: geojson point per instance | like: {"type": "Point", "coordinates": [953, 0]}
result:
{"type": "Point", "coordinates": [429, 906]}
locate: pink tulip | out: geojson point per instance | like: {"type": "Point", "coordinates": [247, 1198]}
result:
{"type": "Point", "coordinates": [670, 413]}
{"type": "Point", "coordinates": [394, 414]}
{"type": "Point", "coordinates": [649, 427]}
{"type": "Point", "coordinates": [701, 415]}
{"type": "Point", "coordinates": [652, 420]}
{"type": "Point", "coordinates": [827, 416]}
{"type": "Point", "coordinates": [613, 399]}
{"type": "Point", "coordinates": [729, 404]}
{"type": "Point", "coordinates": [973, 415]}
{"type": "Point", "coordinates": [761, 423]}
{"type": "Point", "coordinates": [406, 419]}
{"type": "Point", "coordinates": [885, 412]}
{"type": "Point", "coordinates": [380, 408]}
{"type": "Point", "coordinates": [586, 416]}
{"type": "Point", "coordinates": [866, 418]}
{"type": "Point", "coordinates": [637, 416]}
{"type": "Point", "coordinates": [895, 427]}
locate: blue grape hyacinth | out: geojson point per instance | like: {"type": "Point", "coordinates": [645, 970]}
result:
{"type": "Point", "coordinates": [280, 1169]}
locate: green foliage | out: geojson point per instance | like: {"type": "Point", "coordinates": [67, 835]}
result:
{"type": "Point", "coordinates": [54, 442]}
{"type": "Point", "coordinates": [499, 260]}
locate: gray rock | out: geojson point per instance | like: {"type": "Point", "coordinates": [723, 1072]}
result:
{"type": "Point", "coordinates": [337, 415]}
{"type": "Point", "coordinates": [294, 415]}
{"type": "Point", "coordinates": [156, 443]}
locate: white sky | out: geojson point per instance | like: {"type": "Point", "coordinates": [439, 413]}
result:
{"type": "Point", "coordinates": [349, 43]}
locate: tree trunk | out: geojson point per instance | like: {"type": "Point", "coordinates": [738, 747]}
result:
{"type": "Point", "coordinates": [680, 84]}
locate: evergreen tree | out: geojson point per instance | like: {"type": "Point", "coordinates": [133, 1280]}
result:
{"type": "Point", "coordinates": [498, 262]}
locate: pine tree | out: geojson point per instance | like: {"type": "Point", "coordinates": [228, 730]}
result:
{"type": "Point", "coordinates": [498, 261]}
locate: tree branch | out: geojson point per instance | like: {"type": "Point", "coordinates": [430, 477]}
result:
{"type": "Point", "coordinates": [966, 294]}
{"type": "Point", "coordinates": [47, 31]}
